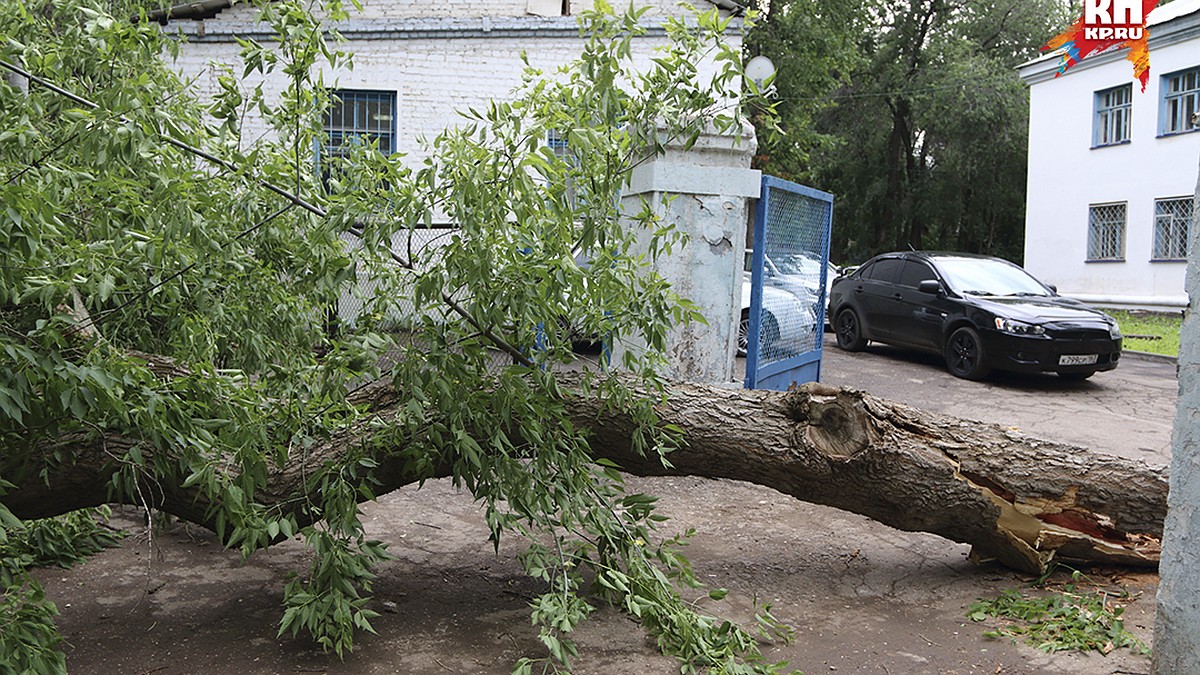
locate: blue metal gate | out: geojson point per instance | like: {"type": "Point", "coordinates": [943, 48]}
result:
{"type": "Point", "coordinates": [787, 270]}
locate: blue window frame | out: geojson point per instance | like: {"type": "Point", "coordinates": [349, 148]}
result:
{"type": "Point", "coordinates": [1113, 109]}
{"type": "Point", "coordinates": [360, 117]}
{"type": "Point", "coordinates": [561, 147]}
{"type": "Point", "coordinates": [1180, 100]}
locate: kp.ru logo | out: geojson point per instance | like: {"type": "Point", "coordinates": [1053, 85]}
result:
{"type": "Point", "coordinates": [1105, 25]}
{"type": "Point", "coordinates": [1113, 20]}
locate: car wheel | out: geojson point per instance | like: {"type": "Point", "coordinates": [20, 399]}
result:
{"type": "Point", "coordinates": [849, 331]}
{"type": "Point", "coordinates": [768, 334]}
{"type": "Point", "coordinates": [1077, 376]}
{"type": "Point", "coordinates": [964, 354]}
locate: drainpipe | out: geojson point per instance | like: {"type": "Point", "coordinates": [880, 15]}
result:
{"type": "Point", "coordinates": [1171, 303]}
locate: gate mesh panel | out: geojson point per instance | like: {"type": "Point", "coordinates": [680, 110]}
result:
{"type": "Point", "coordinates": [793, 299]}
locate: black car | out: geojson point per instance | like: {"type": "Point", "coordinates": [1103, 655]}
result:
{"type": "Point", "coordinates": [980, 313]}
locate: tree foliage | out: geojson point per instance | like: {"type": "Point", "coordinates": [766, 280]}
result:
{"type": "Point", "coordinates": [166, 287]}
{"type": "Point", "coordinates": [925, 140]}
{"type": "Point", "coordinates": [815, 48]}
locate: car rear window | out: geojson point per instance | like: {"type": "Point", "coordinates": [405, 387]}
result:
{"type": "Point", "coordinates": [887, 270]}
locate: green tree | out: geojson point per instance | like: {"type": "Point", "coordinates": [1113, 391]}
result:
{"type": "Point", "coordinates": [924, 142]}
{"type": "Point", "coordinates": [164, 293]}
{"type": "Point", "coordinates": [815, 48]}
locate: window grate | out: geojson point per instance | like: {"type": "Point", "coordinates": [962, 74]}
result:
{"type": "Point", "coordinates": [1181, 100]}
{"type": "Point", "coordinates": [1106, 232]}
{"type": "Point", "coordinates": [360, 117]}
{"type": "Point", "coordinates": [1113, 108]}
{"type": "Point", "coordinates": [560, 145]}
{"type": "Point", "coordinates": [1172, 219]}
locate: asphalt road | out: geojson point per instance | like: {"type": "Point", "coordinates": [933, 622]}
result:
{"type": "Point", "coordinates": [1128, 411]}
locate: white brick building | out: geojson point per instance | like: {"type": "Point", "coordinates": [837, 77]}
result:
{"type": "Point", "coordinates": [417, 63]}
{"type": "Point", "coordinates": [1112, 169]}
{"type": "Point", "coordinates": [428, 59]}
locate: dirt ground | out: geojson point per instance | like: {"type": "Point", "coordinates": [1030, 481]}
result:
{"type": "Point", "coordinates": [863, 598]}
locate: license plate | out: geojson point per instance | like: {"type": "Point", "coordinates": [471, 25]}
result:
{"type": "Point", "coordinates": [1077, 359]}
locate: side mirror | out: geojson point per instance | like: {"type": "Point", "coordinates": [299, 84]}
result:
{"type": "Point", "coordinates": [930, 286]}
{"type": "Point", "coordinates": [1053, 288]}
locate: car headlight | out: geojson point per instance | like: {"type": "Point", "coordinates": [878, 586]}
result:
{"type": "Point", "coordinates": [1114, 330]}
{"type": "Point", "coordinates": [1018, 327]}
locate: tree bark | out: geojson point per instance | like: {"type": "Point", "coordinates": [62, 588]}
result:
{"type": "Point", "coordinates": [1015, 499]}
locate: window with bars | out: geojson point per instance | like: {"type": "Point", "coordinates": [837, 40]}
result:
{"type": "Point", "coordinates": [1106, 232]}
{"type": "Point", "coordinates": [1180, 100]}
{"type": "Point", "coordinates": [561, 147]}
{"type": "Point", "coordinates": [1113, 108]}
{"type": "Point", "coordinates": [355, 118]}
{"type": "Point", "coordinates": [1172, 219]}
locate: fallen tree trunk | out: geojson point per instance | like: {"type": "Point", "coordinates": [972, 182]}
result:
{"type": "Point", "coordinates": [1015, 499]}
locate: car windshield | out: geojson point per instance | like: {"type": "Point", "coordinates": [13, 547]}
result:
{"type": "Point", "coordinates": [798, 263]}
{"type": "Point", "coordinates": [981, 276]}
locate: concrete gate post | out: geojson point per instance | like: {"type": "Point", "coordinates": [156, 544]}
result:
{"type": "Point", "coordinates": [1177, 621]}
{"type": "Point", "coordinates": [710, 187]}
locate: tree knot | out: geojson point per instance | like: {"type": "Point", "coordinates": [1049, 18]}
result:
{"type": "Point", "coordinates": [835, 422]}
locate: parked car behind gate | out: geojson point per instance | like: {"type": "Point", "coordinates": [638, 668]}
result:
{"type": "Point", "coordinates": [787, 326]}
{"type": "Point", "coordinates": [980, 313]}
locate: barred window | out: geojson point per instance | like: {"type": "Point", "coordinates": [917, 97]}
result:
{"type": "Point", "coordinates": [1113, 108]}
{"type": "Point", "coordinates": [560, 145]}
{"type": "Point", "coordinates": [1172, 219]}
{"type": "Point", "coordinates": [1106, 232]}
{"type": "Point", "coordinates": [1180, 100]}
{"type": "Point", "coordinates": [358, 117]}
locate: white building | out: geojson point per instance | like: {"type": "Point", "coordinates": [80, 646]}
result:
{"type": "Point", "coordinates": [1112, 169]}
{"type": "Point", "coordinates": [416, 63]}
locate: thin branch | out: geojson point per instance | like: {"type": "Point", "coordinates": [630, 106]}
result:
{"type": "Point", "coordinates": [244, 233]}
{"type": "Point", "coordinates": [226, 164]}
{"type": "Point", "coordinates": [295, 200]}
{"type": "Point", "coordinates": [52, 151]}
{"type": "Point", "coordinates": [45, 156]}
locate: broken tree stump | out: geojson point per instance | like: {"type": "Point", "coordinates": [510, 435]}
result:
{"type": "Point", "coordinates": [1016, 499]}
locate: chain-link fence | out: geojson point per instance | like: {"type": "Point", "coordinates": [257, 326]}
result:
{"type": "Point", "coordinates": [383, 298]}
{"type": "Point", "coordinates": [398, 312]}
{"type": "Point", "coordinates": [790, 252]}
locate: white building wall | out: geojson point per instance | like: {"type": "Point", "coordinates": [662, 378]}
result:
{"type": "Point", "coordinates": [465, 9]}
{"type": "Point", "coordinates": [1066, 175]}
{"type": "Point", "coordinates": [436, 65]}
{"type": "Point", "coordinates": [432, 79]}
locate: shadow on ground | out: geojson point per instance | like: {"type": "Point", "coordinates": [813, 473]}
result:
{"type": "Point", "coordinates": [863, 598]}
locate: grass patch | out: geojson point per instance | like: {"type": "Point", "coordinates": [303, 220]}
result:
{"type": "Point", "coordinates": [1149, 331]}
{"type": "Point", "coordinates": [1080, 617]}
